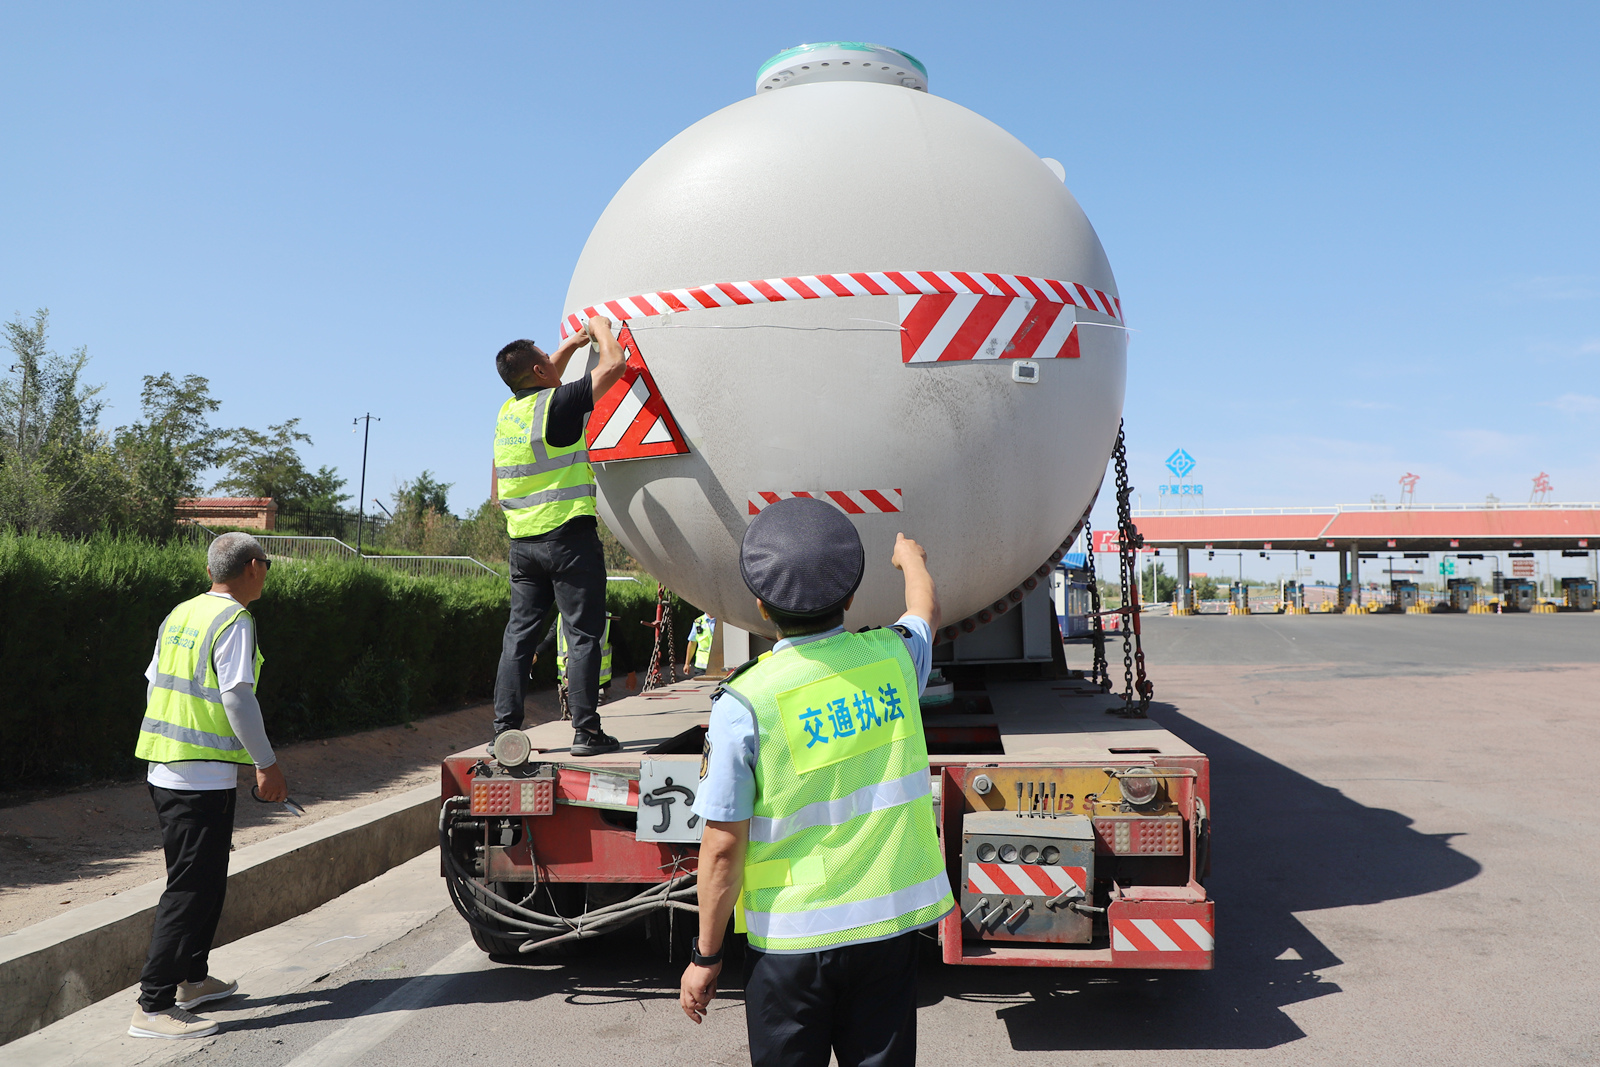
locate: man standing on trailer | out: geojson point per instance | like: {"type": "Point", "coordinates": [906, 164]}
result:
{"type": "Point", "coordinates": [546, 488]}
{"type": "Point", "coordinates": [201, 722]}
{"type": "Point", "coordinates": [816, 796]}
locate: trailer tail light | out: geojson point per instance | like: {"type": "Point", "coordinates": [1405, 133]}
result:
{"type": "Point", "coordinates": [510, 796]}
{"type": "Point", "coordinates": [1160, 835]}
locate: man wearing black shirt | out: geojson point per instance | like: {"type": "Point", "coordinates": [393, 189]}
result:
{"type": "Point", "coordinates": [546, 489]}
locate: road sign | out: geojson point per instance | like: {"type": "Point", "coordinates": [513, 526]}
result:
{"type": "Point", "coordinates": [1447, 567]}
{"type": "Point", "coordinates": [1524, 568]}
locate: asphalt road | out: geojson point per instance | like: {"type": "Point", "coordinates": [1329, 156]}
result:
{"type": "Point", "coordinates": [1406, 869]}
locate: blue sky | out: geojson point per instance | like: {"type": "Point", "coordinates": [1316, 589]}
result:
{"type": "Point", "coordinates": [1355, 240]}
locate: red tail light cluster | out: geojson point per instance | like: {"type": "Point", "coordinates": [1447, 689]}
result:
{"type": "Point", "coordinates": [511, 796]}
{"type": "Point", "coordinates": [1160, 835]}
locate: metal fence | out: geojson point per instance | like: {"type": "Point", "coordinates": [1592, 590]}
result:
{"type": "Point", "coordinates": [296, 546]}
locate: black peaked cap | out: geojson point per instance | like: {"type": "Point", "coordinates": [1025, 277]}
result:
{"type": "Point", "coordinates": [802, 557]}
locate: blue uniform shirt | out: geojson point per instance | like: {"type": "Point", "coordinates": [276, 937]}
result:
{"type": "Point", "coordinates": [728, 791]}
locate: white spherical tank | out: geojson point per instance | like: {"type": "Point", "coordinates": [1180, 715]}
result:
{"type": "Point", "coordinates": [844, 285]}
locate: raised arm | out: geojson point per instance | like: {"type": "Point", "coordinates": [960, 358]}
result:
{"type": "Point", "coordinates": [613, 360]}
{"type": "Point", "coordinates": [922, 600]}
{"type": "Point", "coordinates": [563, 353]}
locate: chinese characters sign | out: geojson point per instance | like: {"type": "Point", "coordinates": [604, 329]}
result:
{"type": "Point", "coordinates": [845, 715]}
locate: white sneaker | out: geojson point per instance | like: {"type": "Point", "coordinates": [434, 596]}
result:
{"type": "Point", "coordinates": [193, 994]}
{"type": "Point", "coordinates": [173, 1023]}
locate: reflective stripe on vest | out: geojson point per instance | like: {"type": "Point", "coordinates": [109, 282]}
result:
{"type": "Point", "coordinates": [605, 652]}
{"type": "Point", "coordinates": [843, 847]}
{"type": "Point", "coordinates": [541, 486]}
{"type": "Point", "coordinates": [185, 719]}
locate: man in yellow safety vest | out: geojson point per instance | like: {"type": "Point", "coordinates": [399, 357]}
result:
{"type": "Point", "coordinates": [546, 490]}
{"type": "Point", "coordinates": [201, 722]}
{"type": "Point", "coordinates": [697, 654]}
{"type": "Point", "coordinates": [818, 805]}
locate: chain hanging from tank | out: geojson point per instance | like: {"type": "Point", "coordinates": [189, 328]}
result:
{"type": "Point", "coordinates": [1129, 541]}
{"type": "Point", "coordinates": [1101, 673]}
{"type": "Point", "coordinates": [662, 627]}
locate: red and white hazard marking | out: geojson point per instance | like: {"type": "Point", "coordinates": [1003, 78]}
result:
{"type": "Point", "coordinates": [860, 283]}
{"type": "Point", "coordinates": [945, 329]}
{"type": "Point", "coordinates": [1160, 935]}
{"type": "Point", "coordinates": [849, 501]}
{"type": "Point", "coordinates": [1024, 879]}
{"type": "Point", "coordinates": [605, 790]}
{"type": "Point", "coordinates": [632, 421]}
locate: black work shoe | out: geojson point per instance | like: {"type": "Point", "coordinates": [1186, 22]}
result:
{"type": "Point", "coordinates": [587, 744]}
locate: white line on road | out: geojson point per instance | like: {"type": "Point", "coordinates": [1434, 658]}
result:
{"type": "Point", "coordinates": [369, 1029]}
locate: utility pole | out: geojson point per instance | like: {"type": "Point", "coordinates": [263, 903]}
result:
{"type": "Point", "coordinates": [361, 500]}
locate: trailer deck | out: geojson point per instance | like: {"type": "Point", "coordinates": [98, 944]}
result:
{"type": "Point", "coordinates": [1007, 722]}
{"type": "Point", "coordinates": [1014, 761]}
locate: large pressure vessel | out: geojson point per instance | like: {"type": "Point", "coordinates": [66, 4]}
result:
{"type": "Point", "coordinates": [848, 287]}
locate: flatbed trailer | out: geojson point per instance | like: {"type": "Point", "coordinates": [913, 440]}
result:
{"type": "Point", "coordinates": [1072, 838]}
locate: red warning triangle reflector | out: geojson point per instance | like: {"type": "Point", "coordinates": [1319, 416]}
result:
{"type": "Point", "coordinates": [632, 421]}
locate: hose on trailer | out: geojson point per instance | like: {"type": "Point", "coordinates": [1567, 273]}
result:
{"type": "Point", "coordinates": [496, 916]}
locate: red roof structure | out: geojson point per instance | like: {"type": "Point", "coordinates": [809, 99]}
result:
{"type": "Point", "coordinates": [1416, 528]}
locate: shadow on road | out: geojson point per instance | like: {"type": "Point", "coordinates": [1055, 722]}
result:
{"type": "Point", "coordinates": [1282, 844]}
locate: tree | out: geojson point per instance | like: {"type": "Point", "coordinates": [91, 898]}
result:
{"type": "Point", "coordinates": [1206, 588]}
{"type": "Point", "coordinates": [423, 494]}
{"type": "Point", "coordinates": [269, 465]}
{"type": "Point", "coordinates": [164, 455]}
{"type": "Point", "coordinates": [1165, 585]}
{"type": "Point", "coordinates": [56, 471]}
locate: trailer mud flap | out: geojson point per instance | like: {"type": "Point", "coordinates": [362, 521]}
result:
{"type": "Point", "coordinates": [1162, 934]}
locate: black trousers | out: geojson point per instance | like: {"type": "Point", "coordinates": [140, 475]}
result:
{"type": "Point", "coordinates": [567, 571]}
{"type": "Point", "coordinates": [197, 834]}
{"type": "Point", "coordinates": [858, 1002]}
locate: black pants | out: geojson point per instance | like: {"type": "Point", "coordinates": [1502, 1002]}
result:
{"type": "Point", "coordinates": [567, 571]}
{"type": "Point", "coordinates": [197, 833]}
{"type": "Point", "coordinates": [858, 1002]}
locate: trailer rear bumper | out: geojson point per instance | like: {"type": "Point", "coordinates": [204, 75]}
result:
{"type": "Point", "coordinates": [1145, 934]}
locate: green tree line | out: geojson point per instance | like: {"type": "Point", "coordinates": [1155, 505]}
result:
{"type": "Point", "coordinates": [62, 473]}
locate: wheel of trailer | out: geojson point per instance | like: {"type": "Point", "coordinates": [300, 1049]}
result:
{"type": "Point", "coordinates": [499, 949]}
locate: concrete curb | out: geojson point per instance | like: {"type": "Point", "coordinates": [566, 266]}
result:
{"type": "Point", "coordinates": [55, 967]}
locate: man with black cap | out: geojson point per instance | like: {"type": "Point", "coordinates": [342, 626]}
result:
{"type": "Point", "coordinates": [816, 796]}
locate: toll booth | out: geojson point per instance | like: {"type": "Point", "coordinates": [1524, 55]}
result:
{"type": "Point", "coordinates": [1294, 595]}
{"type": "Point", "coordinates": [1519, 594]}
{"type": "Point", "coordinates": [1403, 594]}
{"type": "Point", "coordinates": [1344, 595]}
{"type": "Point", "coordinates": [1463, 593]}
{"type": "Point", "coordinates": [1239, 597]}
{"type": "Point", "coordinates": [1069, 589]}
{"type": "Point", "coordinates": [1578, 594]}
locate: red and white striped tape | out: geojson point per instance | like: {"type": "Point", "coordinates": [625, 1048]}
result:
{"type": "Point", "coordinates": [1024, 879]}
{"type": "Point", "coordinates": [944, 329]}
{"type": "Point", "coordinates": [603, 790]}
{"type": "Point", "coordinates": [849, 501]}
{"type": "Point", "coordinates": [858, 283]}
{"type": "Point", "coordinates": [1160, 935]}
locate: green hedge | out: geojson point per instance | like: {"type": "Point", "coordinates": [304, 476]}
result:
{"type": "Point", "coordinates": [348, 647]}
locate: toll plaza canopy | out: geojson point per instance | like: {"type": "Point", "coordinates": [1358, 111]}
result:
{"type": "Point", "coordinates": [1412, 527]}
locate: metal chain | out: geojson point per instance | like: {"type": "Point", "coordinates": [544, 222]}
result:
{"type": "Point", "coordinates": [1101, 672]}
{"type": "Point", "coordinates": [662, 627]}
{"type": "Point", "coordinates": [1129, 541]}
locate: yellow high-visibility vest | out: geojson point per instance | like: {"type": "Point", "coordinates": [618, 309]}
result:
{"type": "Point", "coordinates": [541, 486]}
{"type": "Point", "coordinates": [185, 719]}
{"type": "Point", "coordinates": [843, 847]}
